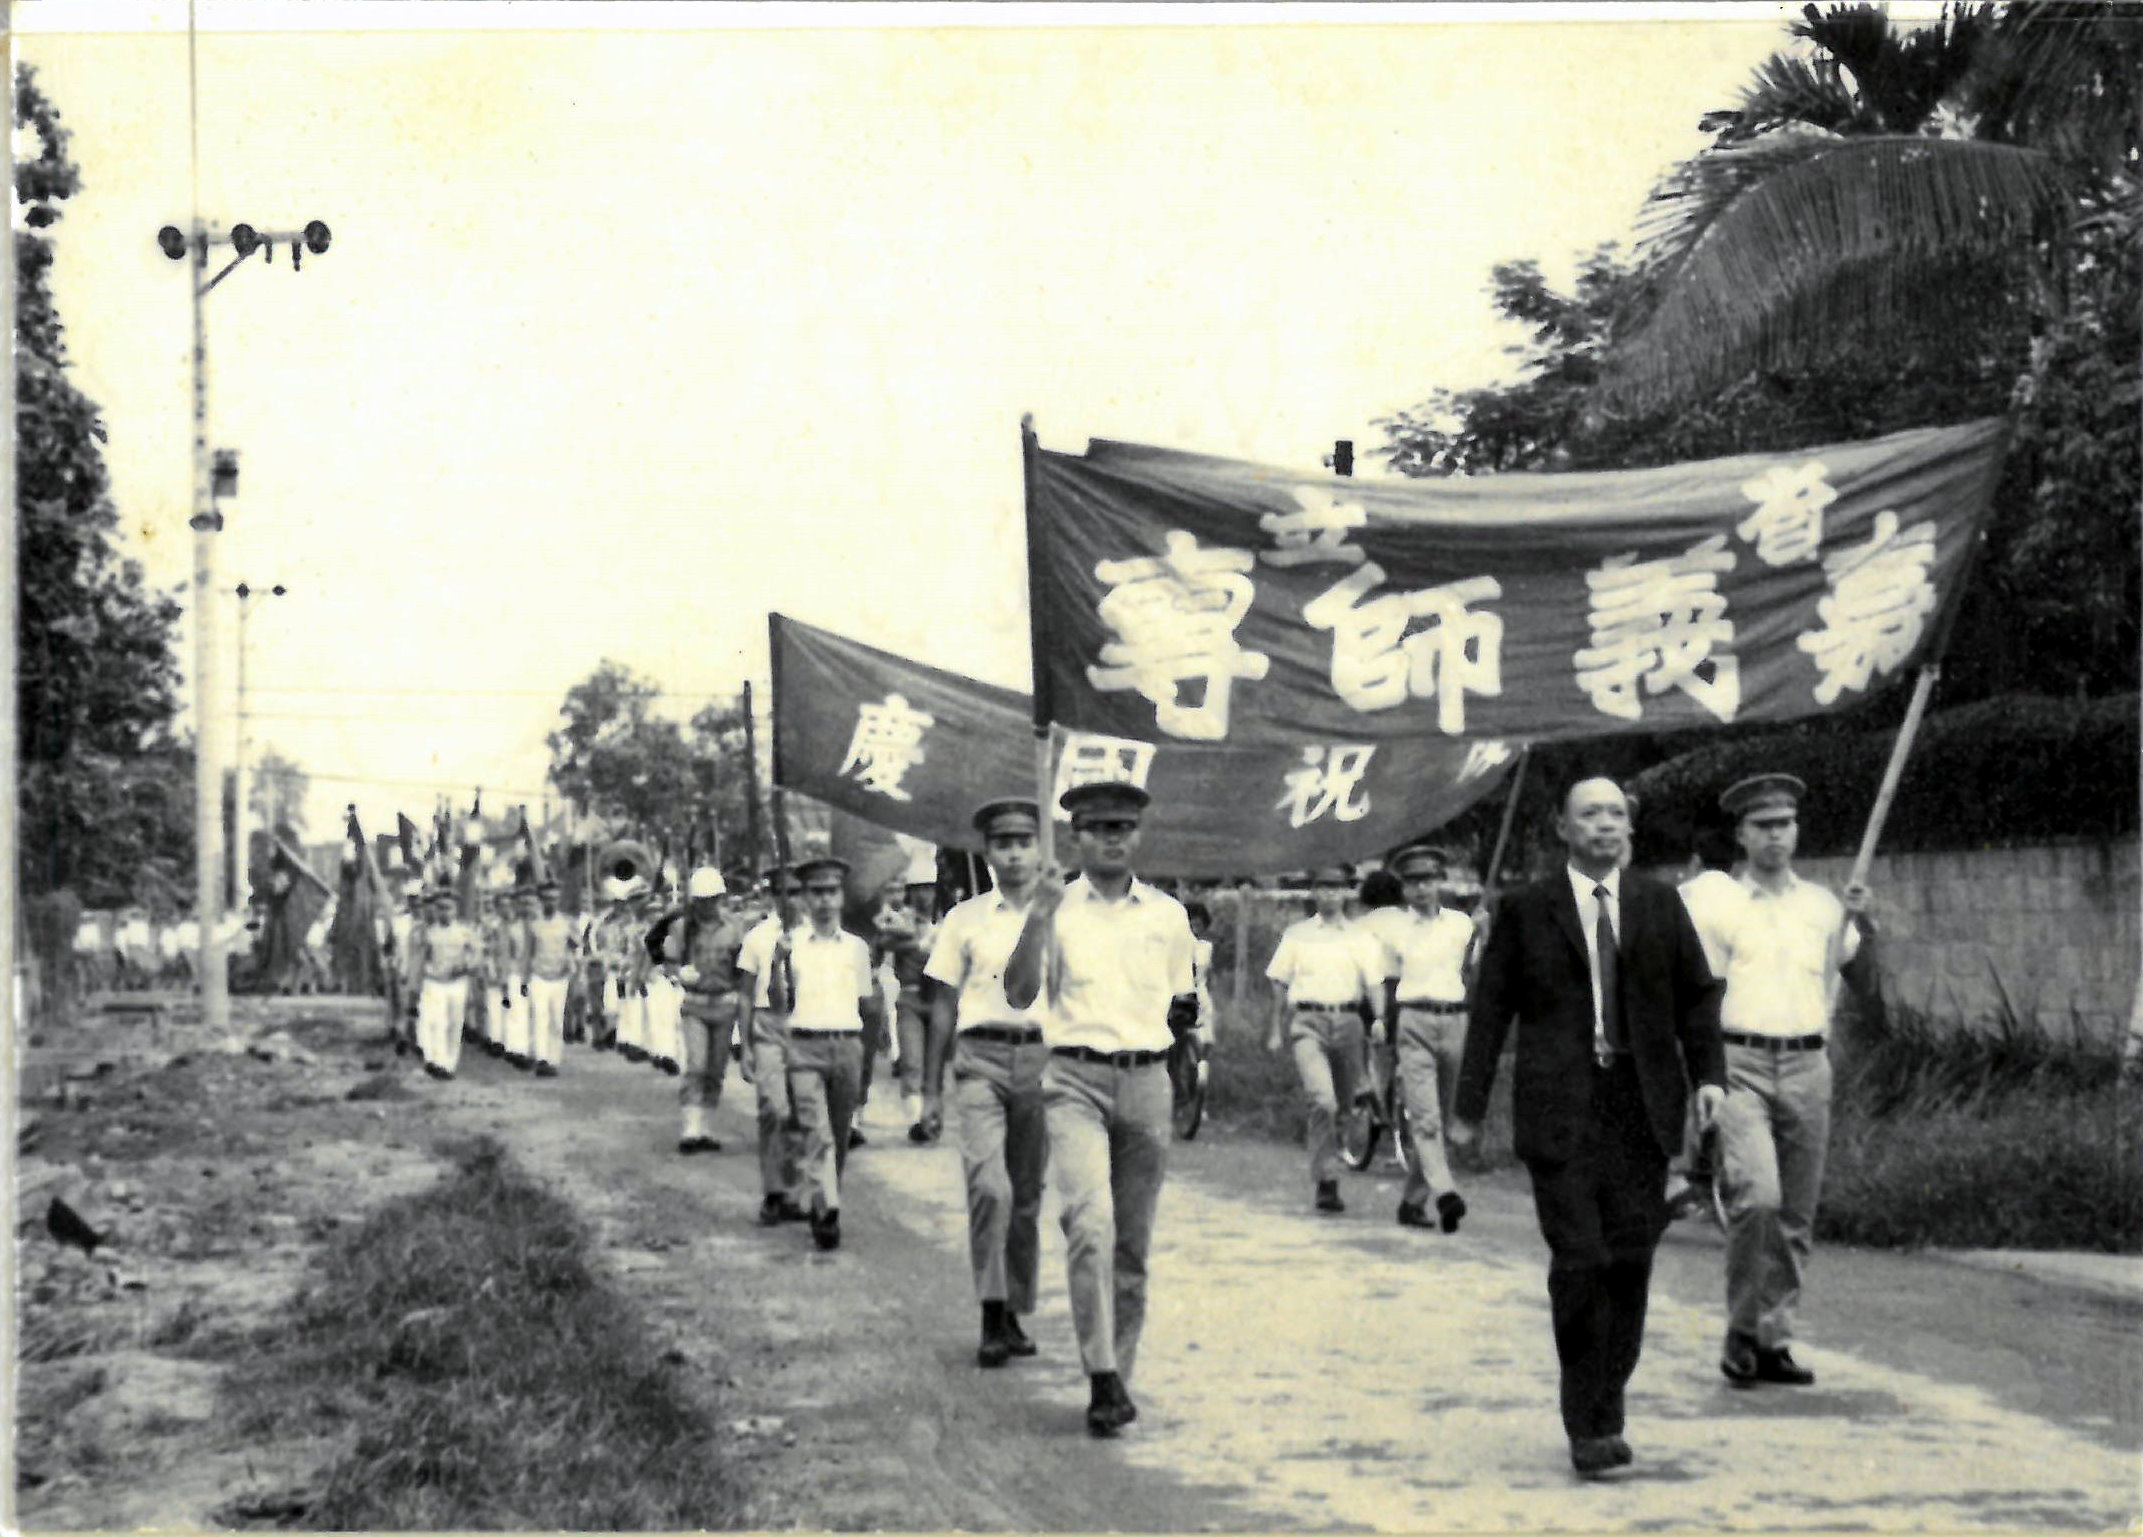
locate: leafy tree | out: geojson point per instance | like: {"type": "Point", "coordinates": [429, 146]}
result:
{"type": "Point", "coordinates": [97, 678]}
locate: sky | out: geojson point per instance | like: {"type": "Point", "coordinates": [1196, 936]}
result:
{"type": "Point", "coordinates": [640, 322]}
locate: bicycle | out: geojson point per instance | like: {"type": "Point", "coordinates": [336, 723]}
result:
{"type": "Point", "coordinates": [1379, 1107]}
{"type": "Point", "coordinates": [1189, 1068]}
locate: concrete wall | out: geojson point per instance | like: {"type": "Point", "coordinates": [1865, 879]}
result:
{"type": "Point", "coordinates": [2057, 925]}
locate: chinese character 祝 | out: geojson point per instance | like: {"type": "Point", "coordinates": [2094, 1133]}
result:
{"type": "Point", "coordinates": [1317, 533]}
{"type": "Point", "coordinates": [1657, 622]}
{"type": "Point", "coordinates": [888, 742]}
{"type": "Point", "coordinates": [1327, 782]}
{"type": "Point", "coordinates": [1879, 601]}
{"type": "Point", "coordinates": [1175, 615]}
{"type": "Point", "coordinates": [1787, 524]}
{"type": "Point", "coordinates": [1376, 664]}
{"type": "Point", "coordinates": [1482, 756]}
{"type": "Point", "coordinates": [1092, 759]}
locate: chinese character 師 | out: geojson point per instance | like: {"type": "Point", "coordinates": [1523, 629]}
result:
{"type": "Point", "coordinates": [888, 742]}
{"type": "Point", "coordinates": [1658, 622]}
{"type": "Point", "coordinates": [1327, 782]}
{"type": "Point", "coordinates": [1088, 758]}
{"type": "Point", "coordinates": [1787, 524]}
{"type": "Point", "coordinates": [1318, 533]}
{"type": "Point", "coordinates": [1175, 616]}
{"type": "Point", "coordinates": [1880, 597]}
{"type": "Point", "coordinates": [1376, 664]}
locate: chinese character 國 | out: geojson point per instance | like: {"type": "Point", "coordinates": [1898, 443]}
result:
{"type": "Point", "coordinates": [1089, 758]}
{"type": "Point", "coordinates": [1787, 525]}
{"type": "Point", "coordinates": [1657, 623]}
{"type": "Point", "coordinates": [1175, 615]}
{"type": "Point", "coordinates": [1376, 664]}
{"type": "Point", "coordinates": [1327, 782]}
{"type": "Point", "coordinates": [1880, 597]}
{"type": "Point", "coordinates": [888, 742]}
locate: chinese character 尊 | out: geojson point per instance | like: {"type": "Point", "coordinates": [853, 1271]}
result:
{"type": "Point", "coordinates": [1376, 664]}
{"type": "Point", "coordinates": [1318, 533]}
{"type": "Point", "coordinates": [1327, 783]}
{"type": "Point", "coordinates": [1089, 758]}
{"type": "Point", "coordinates": [888, 742]}
{"type": "Point", "coordinates": [1880, 597]}
{"type": "Point", "coordinates": [1175, 616]}
{"type": "Point", "coordinates": [1787, 524]}
{"type": "Point", "coordinates": [1658, 623]}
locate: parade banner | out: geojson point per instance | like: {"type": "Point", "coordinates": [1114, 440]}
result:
{"type": "Point", "coordinates": [915, 750]}
{"type": "Point", "coordinates": [1191, 599]}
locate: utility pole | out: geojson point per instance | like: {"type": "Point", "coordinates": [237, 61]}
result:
{"type": "Point", "coordinates": [751, 783]}
{"type": "Point", "coordinates": [242, 775]}
{"type": "Point", "coordinates": [206, 522]}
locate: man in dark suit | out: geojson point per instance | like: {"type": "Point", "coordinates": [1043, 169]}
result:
{"type": "Point", "coordinates": [1617, 1015]}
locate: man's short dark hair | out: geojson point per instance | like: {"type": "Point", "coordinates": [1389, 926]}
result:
{"type": "Point", "coordinates": [1198, 912]}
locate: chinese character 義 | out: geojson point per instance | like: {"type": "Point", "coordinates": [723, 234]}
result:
{"type": "Point", "coordinates": [1317, 533]}
{"type": "Point", "coordinates": [1658, 623]}
{"type": "Point", "coordinates": [1326, 783]}
{"type": "Point", "coordinates": [1787, 524]}
{"type": "Point", "coordinates": [1376, 664]}
{"type": "Point", "coordinates": [888, 742]}
{"type": "Point", "coordinates": [1089, 758]}
{"type": "Point", "coordinates": [1175, 616]}
{"type": "Point", "coordinates": [1880, 597]}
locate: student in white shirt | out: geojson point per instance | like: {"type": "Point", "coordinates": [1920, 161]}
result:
{"type": "Point", "coordinates": [765, 1031]}
{"type": "Point", "coordinates": [1425, 959]}
{"type": "Point", "coordinates": [1325, 968]}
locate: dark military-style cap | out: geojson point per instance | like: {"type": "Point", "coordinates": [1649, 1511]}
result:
{"type": "Point", "coordinates": [1104, 795]}
{"type": "Point", "coordinates": [1425, 858]}
{"type": "Point", "coordinates": [1761, 790]}
{"type": "Point", "coordinates": [1331, 875]}
{"type": "Point", "coordinates": [1016, 814]}
{"type": "Point", "coordinates": [807, 868]}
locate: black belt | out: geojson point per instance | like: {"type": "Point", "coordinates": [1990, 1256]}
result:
{"type": "Point", "coordinates": [823, 1035]}
{"type": "Point", "coordinates": [1110, 1058]}
{"type": "Point", "coordinates": [1324, 1008]}
{"type": "Point", "coordinates": [1008, 1034]}
{"type": "Point", "coordinates": [1432, 1005]}
{"type": "Point", "coordinates": [1773, 1042]}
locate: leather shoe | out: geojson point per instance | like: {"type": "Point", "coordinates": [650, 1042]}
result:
{"type": "Point", "coordinates": [771, 1212]}
{"type": "Point", "coordinates": [1328, 1196]}
{"type": "Point", "coordinates": [856, 1138]}
{"type": "Point", "coordinates": [1593, 1456]}
{"type": "Point", "coordinates": [1450, 1207]}
{"type": "Point", "coordinates": [996, 1346]}
{"type": "Point", "coordinates": [826, 1229]}
{"type": "Point", "coordinates": [1016, 1337]}
{"type": "Point", "coordinates": [1739, 1361]}
{"type": "Point", "coordinates": [1779, 1366]}
{"type": "Point", "coordinates": [1414, 1215]}
{"type": "Point", "coordinates": [1621, 1448]}
{"type": "Point", "coordinates": [1110, 1408]}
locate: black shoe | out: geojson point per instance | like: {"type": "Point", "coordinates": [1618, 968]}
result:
{"type": "Point", "coordinates": [1016, 1336]}
{"type": "Point", "coordinates": [1593, 1456]}
{"type": "Point", "coordinates": [668, 1067]}
{"type": "Point", "coordinates": [773, 1211]}
{"type": "Point", "coordinates": [919, 1134]}
{"type": "Point", "coordinates": [1623, 1455]}
{"type": "Point", "coordinates": [1450, 1207]}
{"type": "Point", "coordinates": [1779, 1366]}
{"type": "Point", "coordinates": [691, 1145]}
{"type": "Point", "coordinates": [546, 1070]}
{"type": "Point", "coordinates": [1412, 1214]}
{"type": "Point", "coordinates": [495, 1048]}
{"type": "Point", "coordinates": [1328, 1196]}
{"type": "Point", "coordinates": [435, 1070]}
{"type": "Point", "coordinates": [826, 1228]}
{"type": "Point", "coordinates": [401, 1048]}
{"type": "Point", "coordinates": [856, 1138]}
{"type": "Point", "coordinates": [521, 1063]}
{"type": "Point", "coordinates": [792, 1210]}
{"type": "Point", "coordinates": [1739, 1361]}
{"type": "Point", "coordinates": [1110, 1409]}
{"type": "Point", "coordinates": [996, 1346]}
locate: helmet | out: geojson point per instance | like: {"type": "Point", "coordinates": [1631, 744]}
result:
{"type": "Point", "coordinates": [706, 882]}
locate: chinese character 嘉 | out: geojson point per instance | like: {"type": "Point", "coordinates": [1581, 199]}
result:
{"type": "Point", "coordinates": [1879, 601]}
{"type": "Point", "coordinates": [1326, 783]}
{"type": "Point", "coordinates": [1175, 616]}
{"type": "Point", "coordinates": [1376, 664]}
{"type": "Point", "coordinates": [888, 742]}
{"type": "Point", "coordinates": [1658, 622]}
{"type": "Point", "coordinates": [1787, 524]}
{"type": "Point", "coordinates": [1089, 758]}
{"type": "Point", "coordinates": [1317, 533]}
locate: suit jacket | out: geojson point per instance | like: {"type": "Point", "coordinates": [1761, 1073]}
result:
{"type": "Point", "coordinates": [1536, 969]}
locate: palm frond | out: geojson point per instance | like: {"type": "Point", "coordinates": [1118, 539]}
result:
{"type": "Point", "coordinates": [1791, 90]}
{"type": "Point", "coordinates": [1740, 239]}
{"type": "Point", "coordinates": [2065, 78]}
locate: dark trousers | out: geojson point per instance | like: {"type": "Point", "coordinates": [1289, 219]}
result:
{"type": "Point", "coordinates": [1602, 1212]}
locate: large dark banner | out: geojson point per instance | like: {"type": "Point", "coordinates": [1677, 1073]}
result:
{"type": "Point", "coordinates": [916, 750]}
{"type": "Point", "coordinates": [1183, 598]}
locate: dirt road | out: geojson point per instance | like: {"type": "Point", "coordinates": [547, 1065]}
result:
{"type": "Point", "coordinates": [1312, 1373]}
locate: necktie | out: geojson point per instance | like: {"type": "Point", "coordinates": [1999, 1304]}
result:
{"type": "Point", "coordinates": [1610, 974]}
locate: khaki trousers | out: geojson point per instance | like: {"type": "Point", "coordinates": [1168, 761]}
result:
{"type": "Point", "coordinates": [1109, 1130]}
{"type": "Point", "coordinates": [1327, 1048]}
{"type": "Point", "coordinates": [1004, 1149]}
{"type": "Point", "coordinates": [1431, 1042]}
{"type": "Point", "coordinates": [781, 1141]}
{"type": "Point", "coordinates": [705, 1022]}
{"type": "Point", "coordinates": [825, 1085]}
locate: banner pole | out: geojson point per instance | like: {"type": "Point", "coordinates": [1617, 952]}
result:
{"type": "Point", "coordinates": [1030, 453]}
{"type": "Point", "coordinates": [1922, 687]}
{"type": "Point", "coordinates": [1510, 815]}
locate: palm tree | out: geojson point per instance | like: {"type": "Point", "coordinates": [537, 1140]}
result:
{"type": "Point", "coordinates": [1880, 186]}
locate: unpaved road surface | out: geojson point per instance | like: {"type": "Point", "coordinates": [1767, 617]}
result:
{"type": "Point", "coordinates": [1315, 1373]}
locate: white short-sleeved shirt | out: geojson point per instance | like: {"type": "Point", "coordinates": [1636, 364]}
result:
{"type": "Point", "coordinates": [1780, 949]}
{"type": "Point", "coordinates": [974, 941]}
{"type": "Point", "coordinates": [756, 955]}
{"type": "Point", "coordinates": [1428, 955]}
{"type": "Point", "coordinates": [1714, 899]}
{"type": "Point", "coordinates": [1117, 965]}
{"type": "Point", "coordinates": [1332, 962]}
{"type": "Point", "coordinates": [832, 976]}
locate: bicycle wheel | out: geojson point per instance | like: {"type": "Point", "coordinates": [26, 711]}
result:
{"type": "Point", "coordinates": [1402, 1134]}
{"type": "Point", "coordinates": [1189, 1081]}
{"type": "Point", "coordinates": [1361, 1129]}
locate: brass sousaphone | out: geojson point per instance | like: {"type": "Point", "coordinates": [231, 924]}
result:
{"type": "Point", "coordinates": [628, 862]}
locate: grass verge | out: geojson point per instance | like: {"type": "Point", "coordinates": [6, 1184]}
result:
{"type": "Point", "coordinates": [481, 1376]}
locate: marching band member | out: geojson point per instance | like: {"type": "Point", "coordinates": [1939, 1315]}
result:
{"type": "Point", "coordinates": [548, 952]}
{"type": "Point", "coordinates": [707, 941]}
{"type": "Point", "coordinates": [442, 959]}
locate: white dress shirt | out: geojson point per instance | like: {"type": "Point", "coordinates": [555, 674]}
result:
{"type": "Point", "coordinates": [974, 941]}
{"type": "Point", "coordinates": [1117, 965]}
{"type": "Point", "coordinates": [833, 977]}
{"type": "Point", "coordinates": [1428, 955]}
{"type": "Point", "coordinates": [1327, 961]}
{"type": "Point", "coordinates": [1781, 947]}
